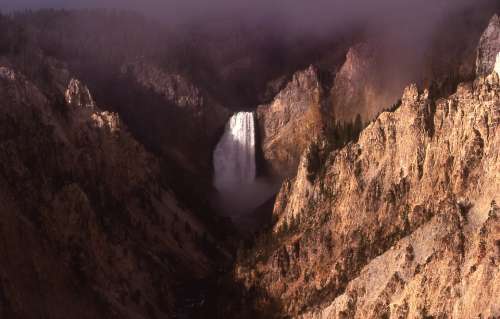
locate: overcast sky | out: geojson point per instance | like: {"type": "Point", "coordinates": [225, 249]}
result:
{"type": "Point", "coordinates": [306, 12]}
{"type": "Point", "coordinates": [411, 21]}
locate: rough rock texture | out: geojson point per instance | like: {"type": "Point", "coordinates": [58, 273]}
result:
{"type": "Point", "coordinates": [360, 87]}
{"type": "Point", "coordinates": [290, 122]}
{"type": "Point", "coordinates": [173, 87]}
{"type": "Point", "coordinates": [402, 224]}
{"type": "Point", "coordinates": [196, 121]}
{"type": "Point", "coordinates": [375, 72]}
{"type": "Point", "coordinates": [369, 81]}
{"type": "Point", "coordinates": [489, 46]}
{"type": "Point", "coordinates": [87, 228]}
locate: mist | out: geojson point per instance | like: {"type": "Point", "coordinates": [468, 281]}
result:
{"type": "Point", "coordinates": [319, 15]}
{"type": "Point", "coordinates": [283, 37]}
{"type": "Point", "coordinates": [407, 23]}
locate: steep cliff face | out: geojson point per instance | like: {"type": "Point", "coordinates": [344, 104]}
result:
{"type": "Point", "coordinates": [489, 46]}
{"type": "Point", "coordinates": [377, 70]}
{"type": "Point", "coordinates": [196, 119]}
{"type": "Point", "coordinates": [401, 224]}
{"type": "Point", "coordinates": [174, 87]}
{"type": "Point", "coordinates": [291, 121]}
{"type": "Point", "coordinates": [369, 80]}
{"type": "Point", "coordinates": [88, 229]}
{"type": "Point", "coordinates": [363, 85]}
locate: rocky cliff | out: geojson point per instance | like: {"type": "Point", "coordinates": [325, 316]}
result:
{"type": "Point", "coordinates": [289, 123]}
{"type": "Point", "coordinates": [368, 80]}
{"type": "Point", "coordinates": [376, 71]}
{"type": "Point", "coordinates": [195, 119]}
{"type": "Point", "coordinates": [489, 46]}
{"type": "Point", "coordinates": [103, 195]}
{"type": "Point", "coordinates": [88, 228]}
{"type": "Point", "coordinates": [364, 85]}
{"type": "Point", "coordinates": [401, 224]}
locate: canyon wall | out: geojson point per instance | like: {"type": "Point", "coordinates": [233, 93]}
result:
{"type": "Point", "coordinates": [402, 223]}
{"type": "Point", "coordinates": [287, 125]}
{"type": "Point", "coordinates": [89, 229]}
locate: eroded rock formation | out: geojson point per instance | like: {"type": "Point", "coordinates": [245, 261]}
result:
{"type": "Point", "coordinates": [88, 228]}
{"type": "Point", "coordinates": [489, 46]}
{"type": "Point", "coordinates": [364, 85]}
{"type": "Point", "coordinates": [196, 120]}
{"type": "Point", "coordinates": [401, 224]}
{"type": "Point", "coordinates": [291, 121]}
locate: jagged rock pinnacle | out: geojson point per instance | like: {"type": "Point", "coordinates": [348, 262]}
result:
{"type": "Point", "coordinates": [78, 95]}
{"type": "Point", "coordinates": [488, 48]}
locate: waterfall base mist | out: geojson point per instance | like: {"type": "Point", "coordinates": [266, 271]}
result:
{"type": "Point", "coordinates": [239, 192]}
{"type": "Point", "coordinates": [234, 156]}
{"type": "Point", "coordinates": [243, 202]}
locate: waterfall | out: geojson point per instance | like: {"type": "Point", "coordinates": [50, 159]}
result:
{"type": "Point", "coordinates": [234, 156]}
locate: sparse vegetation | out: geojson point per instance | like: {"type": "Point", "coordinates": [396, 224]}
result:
{"type": "Point", "coordinates": [345, 132]}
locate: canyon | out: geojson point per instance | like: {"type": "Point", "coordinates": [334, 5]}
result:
{"type": "Point", "coordinates": [232, 174]}
{"type": "Point", "coordinates": [400, 224]}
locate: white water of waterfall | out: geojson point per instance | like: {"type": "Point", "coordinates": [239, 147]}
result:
{"type": "Point", "coordinates": [234, 156]}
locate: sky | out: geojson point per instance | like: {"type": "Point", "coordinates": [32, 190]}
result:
{"type": "Point", "coordinates": [305, 13]}
{"type": "Point", "coordinates": [410, 21]}
{"type": "Point", "coordinates": [405, 21]}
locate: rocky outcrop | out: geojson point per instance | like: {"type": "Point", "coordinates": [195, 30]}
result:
{"type": "Point", "coordinates": [401, 224]}
{"type": "Point", "coordinates": [290, 122]}
{"type": "Point", "coordinates": [78, 95]}
{"type": "Point", "coordinates": [363, 85]}
{"type": "Point", "coordinates": [173, 87]}
{"type": "Point", "coordinates": [489, 46]}
{"type": "Point", "coordinates": [7, 74]}
{"type": "Point", "coordinates": [445, 268]}
{"type": "Point", "coordinates": [377, 70]}
{"type": "Point", "coordinates": [369, 81]}
{"type": "Point", "coordinates": [196, 120]}
{"type": "Point", "coordinates": [88, 229]}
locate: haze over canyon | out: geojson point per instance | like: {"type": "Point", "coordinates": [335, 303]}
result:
{"type": "Point", "coordinates": [264, 159]}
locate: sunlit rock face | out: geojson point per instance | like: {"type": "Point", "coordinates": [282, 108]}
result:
{"type": "Point", "coordinates": [412, 202]}
{"type": "Point", "coordinates": [234, 157]}
{"type": "Point", "coordinates": [403, 223]}
{"type": "Point", "coordinates": [489, 46]}
{"type": "Point", "coordinates": [290, 122]}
